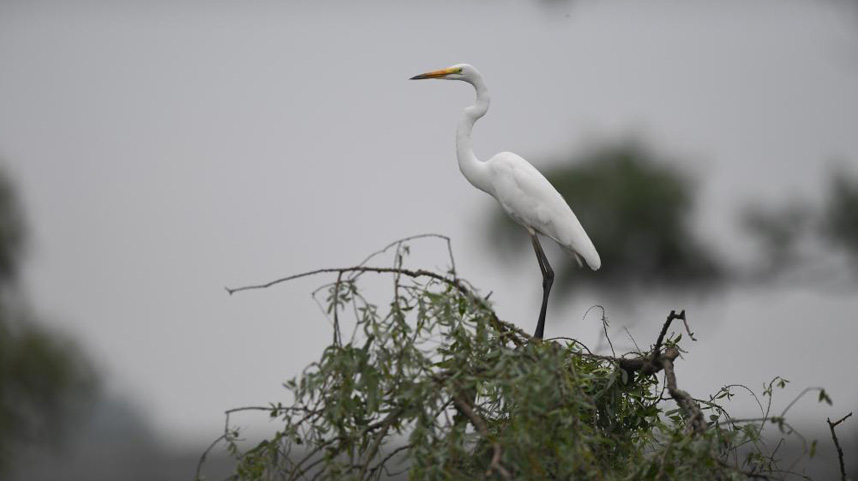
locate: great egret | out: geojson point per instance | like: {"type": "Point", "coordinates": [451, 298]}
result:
{"type": "Point", "coordinates": [523, 192]}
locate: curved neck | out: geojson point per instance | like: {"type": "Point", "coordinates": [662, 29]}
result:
{"type": "Point", "coordinates": [474, 170]}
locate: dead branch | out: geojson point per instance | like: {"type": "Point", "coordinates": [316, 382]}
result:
{"type": "Point", "coordinates": [831, 426]}
{"type": "Point", "coordinates": [656, 351]}
{"type": "Point", "coordinates": [682, 398]}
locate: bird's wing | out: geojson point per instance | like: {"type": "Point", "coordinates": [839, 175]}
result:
{"type": "Point", "coordinates": [528, 197]}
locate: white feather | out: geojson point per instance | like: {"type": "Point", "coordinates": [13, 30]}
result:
{"type": "Point", "coordinates": [530, 200]}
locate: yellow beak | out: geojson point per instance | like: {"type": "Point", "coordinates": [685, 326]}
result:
{"type": "Point", "coordinates": [435, 74]}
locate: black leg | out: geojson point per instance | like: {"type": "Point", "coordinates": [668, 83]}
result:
{"type": "Point", "coordinates": [547, 281]}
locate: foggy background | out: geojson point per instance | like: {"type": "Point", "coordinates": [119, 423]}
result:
{"type": "Point", "coordinates": [164, 150]}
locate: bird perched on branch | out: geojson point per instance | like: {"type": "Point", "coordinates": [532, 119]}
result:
{"type": "Point", "coordinates": [522, 191]}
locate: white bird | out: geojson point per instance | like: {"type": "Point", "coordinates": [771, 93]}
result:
{"type": "Point", "coordinates": [521, 190]}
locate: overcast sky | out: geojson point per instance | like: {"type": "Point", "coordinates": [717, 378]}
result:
{"type": "Point", "coordinates": [164, 151]}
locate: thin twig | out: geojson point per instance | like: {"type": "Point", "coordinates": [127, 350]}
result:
{"type": "Point", "coordinates": [202, 460]}
{"type": "Point", "coordinates": [456, 283]}
{"type": "Point", "coordinates": [831, 426]}
{"type": "Point", "coordinates": [414, 237]}
{"type": "Point", "coordinates": [656, 351]}
{"type": "Point", "coordinates": [604, 327]}
{"type": "Point", "coordinates": [797, 398]}
{"type": "Point", "coordinates": [337, 336]}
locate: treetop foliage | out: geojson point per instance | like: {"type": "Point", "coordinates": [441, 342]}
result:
{"type": "Point", "coordinates": [435, 386]}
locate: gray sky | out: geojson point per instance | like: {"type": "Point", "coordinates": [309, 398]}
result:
{"type": "Point", "coordinates": [167, 150]}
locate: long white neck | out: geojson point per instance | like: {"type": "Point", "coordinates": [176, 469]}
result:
{"type": "Point", "coordinates": [473, 169]}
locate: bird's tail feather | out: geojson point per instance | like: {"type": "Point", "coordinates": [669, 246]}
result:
{"type": "Point", "coordinates": [592, 261]}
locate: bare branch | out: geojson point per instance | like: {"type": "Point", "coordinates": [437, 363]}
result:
{"type": "Point", "coordinates": [682, 398]}
{"type": "Point", "coordinates": [831, 426]}
{"type": "Point", "coordinates": [399, 242]}
{"type": "Point", "coordinates": [656, 351]}
{"type": "Point", "coordinates": [453, 282]}
{"type": "Point", "coordinates": [197, 474]}
{"type": "Point", "coordinates": [797, 398]}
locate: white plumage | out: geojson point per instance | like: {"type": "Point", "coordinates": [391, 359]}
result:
{"type": "Point", "coordinates": [522, 191]}
{"type": "Point", "coordinates": [529, 199]}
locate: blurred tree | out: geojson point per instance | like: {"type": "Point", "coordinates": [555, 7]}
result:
{"type": "Point", "coordinates": [11, 232]}
{"type": "Point", "coordinates": [840, 214]}
{"type": "Point", "coordinates": [44, 379]}
{"type": "Point", "coordinates": [777, 231]}
{"type": "Point", "coordinates": [637, 210]}
{"type": "Point", "coordinates": [799, 234]}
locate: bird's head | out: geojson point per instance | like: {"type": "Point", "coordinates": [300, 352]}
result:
{"type": "Point", "coordinates": [460, 71]}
